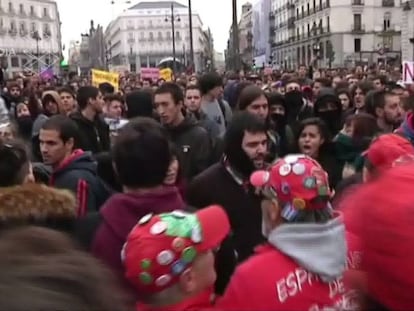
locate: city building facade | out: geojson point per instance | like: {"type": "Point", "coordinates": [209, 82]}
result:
{"type": "Point", "coordinates": [246, 35]}
{"type": "Point", "coordinates": [335, 32]}
{"type": "Point", "coordinates": [30, 37]}
{"type": "Point", "coordinates": [407, 31]}
{"type": "Point", "coordinates": [142, 35]}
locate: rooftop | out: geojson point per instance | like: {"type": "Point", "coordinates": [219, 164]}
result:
{"type": "Point", "coordinates": [147, 5]}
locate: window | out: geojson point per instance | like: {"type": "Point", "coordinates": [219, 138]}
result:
{"type": "Point", "coordinates": [308, 30]}
{"type": "Point", "coordinates": [168, 35]}
{"type": "Point", "coordinates": [357, 45]}
{"type": "Point", "coordinates": [22, 26]}
{"type": "Point", "coordinates": [177, 35]}
{"type": "Point", "coordinates": [33, 27]}
{"type": "Point", "coordinates": [142, 35]}
{"type": "Point", "coordinates": [314, 6]}
{"type": "Point", "coordinates": [21, 9]}
{"type": "Point", "coordinates": [45, 12]}
{"type": "Point", "coordinates": [328, 24]}
{"type": "Point", "coordinates": [308, 8]}
{"type": "Point", "coordinates": [10, 7]}
{"type": "Point", "coordinates": [387, 21]}
{"type": "Point", "coordinates": [303, 11]}
{"type": "Point", "coordinates": [159, 35]}
{"type": "Point", "coordinates": [130, 35]}
{"type": "Point", "coordinates": [24, 62]}
{"type": "Point", "coordinates": [15, 62]}
{"type": "Point", "coordinates": [12, 25]}
{"type": "Point", "coordinates": [357, 21]}
{"type": "Point", "coordinates": [32, 12]}
{"type": "Point", "coordinates": [297, 12]}
{"type": "Point", "coordinates": [151, 36]}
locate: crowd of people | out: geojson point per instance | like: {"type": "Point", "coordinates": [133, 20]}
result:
{"type": "Point", "coordinates": [210, 192]}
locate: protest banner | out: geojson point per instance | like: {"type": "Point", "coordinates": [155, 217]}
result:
{"type": "Point", "coordinates": [99, 76]}
{"type": "Point", "coordinates": [150, 73]}
{"type": "Point", "coordinates": [166, 74]}
{"type": "Point", "coordinates": [408, 72]}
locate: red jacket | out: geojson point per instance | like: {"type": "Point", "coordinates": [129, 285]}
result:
{"type": "Point", "coordinates": [272, 281]}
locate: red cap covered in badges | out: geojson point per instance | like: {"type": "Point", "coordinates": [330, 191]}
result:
{"type": "Point", "coordinates": [296, 180]}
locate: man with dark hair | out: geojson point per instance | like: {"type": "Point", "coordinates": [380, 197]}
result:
{"type": "Point", "coordinates": [386, 108]}
{"type": "Point", "coordinates": [94, 131]}
{"type": "Point", "coordinates": [211, 86]}
{"type": "Point", "coordinates": [192, 139]}
{"type": "Point", "coordinates": [319, 84]}
{"type": "Point", "coordinates": [227, 183]}
{"type": "Point", "coordinates": [73, 169]}
{"type": "Point", "coordinates": [106, 89]}
{"type": "Point", "coordinates": [67, 98]}
{"type": "Point", "coordinates": [379, 82]}
{"type": "Point", "coordinates": [141, 158]}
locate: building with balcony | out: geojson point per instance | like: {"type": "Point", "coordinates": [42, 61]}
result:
{"type": "Point", "coordinates": [336, 32]}
{"type": "Point", "coordinates": [30, 37]}
{"type": "Point", "coordinates": [142, 35]}
{"type": "Point", "coordinates": [246, 35]}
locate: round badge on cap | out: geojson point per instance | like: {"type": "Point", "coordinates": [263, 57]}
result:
{"type": "Point", "coordinates": [299, 203]}
{"type": "Point", "coordinates": [179, 214]}
{"type": "Point", "coordinates": [178, 244]}
{"type": "Point", "coordinates": [166, 257]}
{"type": "Point", "coordinates": [291, 159]}
{"type": "Point", "coordinates": [163, 280]}
{"type": "Point", "coordinates": [285, 170]}
{"type": "Point", "coordinates": [158, 228]}
{"type": "Point", "coordinates": [309, 182]}
{"type": "Point", "coordinates": [145, 278]}
{"type": "Point", "coordinates": [178, 267]}
{"type": "Point", "coordinates": [189, 254]}
{"type": "Point", "coordinates": [145, 264]}
{"type": "Point", "coordinates": [285, 188]}
{"type": "Point", "coordinates": [145, 219]}
{"type": "Point", "coordinates": [196, 235]}
{"type": "Point", "coordinates": [299, 169]}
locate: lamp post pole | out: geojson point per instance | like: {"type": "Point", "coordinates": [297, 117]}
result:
{"type": "Point", "coordinates": [235, 27]}
{"type": "Point", "coordinates": [190, 22]}
{"type": "Point", "coordinates": [173, 37]}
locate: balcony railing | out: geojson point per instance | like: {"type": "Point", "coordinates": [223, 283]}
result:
{"type": "Point", "coordinates": [388, 3]}
{"type": "Point", "coordinates": [357, 2]}
{"type": "Point", "coordinates": [291, 22]}
{"type": "Point", "coordinates": [358, 28]}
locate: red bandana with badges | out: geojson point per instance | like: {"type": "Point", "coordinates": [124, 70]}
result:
{"type": "Point", "coordinates": [298, 181]}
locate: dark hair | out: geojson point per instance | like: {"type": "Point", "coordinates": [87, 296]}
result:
{"type": "Point", "coordinates": [242, 122]}
{"type": "Point", "coordinates": [276, 99]}
{"type": "Point", "coordinates": [171, 88]}
{"type": "Point", "coordinates": [193, 87]}
{"type": "Point", "coordinates": [346, 92]}
{"type": "Point", "coordinates": [106, 88]}
{"type": "Point", "coordinates": [139, 104]}
{"type": "Point", "coordinates": [248, 95]}
{"type": "Point", "coordinates": [141, 154]}
{"type": "Point", "coordinates": [114, 97]}
{"type": "Point", "coordinates": [324, 81]}
{"type": "Point", "coordinates": [364, 86]}
{"type": "Point", "coordinates": [383, 79]}
{"type": "Point", "coordinates": [85, 93]}
{"type": "Point", "coordinates": [66, 89]}
{"type": "Point", "coordinates": [54, 275]}
{"type": "Point", "coordinates": [365, 126]}
{"type": "Point", "coordinates": [65, 126]}
{"type": "Point", "coordinates": [14, 163]}
{"type": "Point", "coordinates": [320, 124]}
{"type": "Point", "coordinates": [377, 101]}
{"type": "Point", "coordinates": [209, 81]}
{"type": "Point", "coordinates": [239, 89]}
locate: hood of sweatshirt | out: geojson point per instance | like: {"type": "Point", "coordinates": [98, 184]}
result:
{"type": "Point", "coordinates": [122, 211]}
{"type": "Point", "coordinates": [319, 248]}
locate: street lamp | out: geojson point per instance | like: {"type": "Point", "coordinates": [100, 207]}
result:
{"type": "Point", "coordinates": [36, 36]}
{"type": "Point", "coordinates": [173, 18]}
{"type": "Point", "coordinates": [190, 22]}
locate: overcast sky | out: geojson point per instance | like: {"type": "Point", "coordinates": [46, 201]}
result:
{"type": "Point", "coordinates": [76, 15]}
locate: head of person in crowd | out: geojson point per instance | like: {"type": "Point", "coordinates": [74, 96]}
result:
{"type": "Point", "coordinates": [379, 83]}
{"type": "Point", "coordinates": [169, 104]}
{"type": "Point", "coordinates": [398, 89]}
{"type": "Point", "coordinates": [24, 121]}
{"type": "Point", "coordinates": [169, 258]}
{"type": "Point", "coordinates": [54, 274]}
{"type": "Point", "coordinates": [15, 165]}
{"type": "Point", "coordinates": [328, 107]}
{"type": "Point", "coordinates": [253, 100]}
{"type": "Point", "coordinates": [141, 155]}
{"type": "Point", "coordinates": [246, 143]}
{"type": "Point", "coordinates": [193, 99]}
{"type": "Point", "coordinates": [58, 137]}
{"type": "Point", "coordinates": [320, 83]}
{"type": "Point", "coordinates": [313, 137]}
{"type": "Point", "coordinates": [14, 91]}
{"type": "Point", "coordinates": [114, 106]}
{"type": "Point", "coordinates": [8, 131]}
{"type": "Point", "coordinates": [174, 173]}
{"type": "Point", "coordinates": [105, 170]}
{"type": "Point", "coordinates": [386, 151]}
{"type": "Point", "coordinates": [139, 104]}
{"type": "Point", "coordinates": [352, 81]}
{"type": "Point", "coordinates": [386, 108]}
{"type": "Point", "coordinates": [192, 80]}
{"type": "Point", "coordinates": [380, 214]}
{"type": "Point", "coordinates": [51, 103]}
{"type": "Point", "coordinates": [146, 83]}
{"type": "Point", "coordinates": [359, 92]}
{"type": "Point", "coordinates": [211, 86]}
{"type": "Point", "coordinates": [239, 89]}
{"type": "Point", "coordinates": [302, 71]}
{"type": "Point", "coordinates": [336, 81]}
{"type": "Point", "coordinates": [106, 88]}
{"type": "Point", "coordinates": [160, 82]}
{"type": "Point", "coordinates": [277, 109]}
{"type": "Point", "coordinates": [278, 87]}
{"type": "Point", "coordinates": [90, 101]}
{"type": "Point", "coordinates": [362, 128]}
{"type": "Point", "coordinates": [345, 98]}
{"type": "Point", "coordinates": [67, 97]}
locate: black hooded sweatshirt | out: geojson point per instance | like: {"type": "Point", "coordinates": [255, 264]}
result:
{"type": "Point", "coordinates": [194, 145]}
{"type": "Point", "coordinates": [332, 118]}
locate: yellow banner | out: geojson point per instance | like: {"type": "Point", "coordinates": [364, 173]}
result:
{"type": "Point", "coordinates": [166, 74]}
{"type": "Point", "coordinates": [99, 76]}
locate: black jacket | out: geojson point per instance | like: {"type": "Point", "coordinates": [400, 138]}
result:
{"type": "Point", "coordinates": [78, 174]}
{"type": "Point", "coordinates": [93, 136]}
{"type": "Point", "coordinates": [194, 146]}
